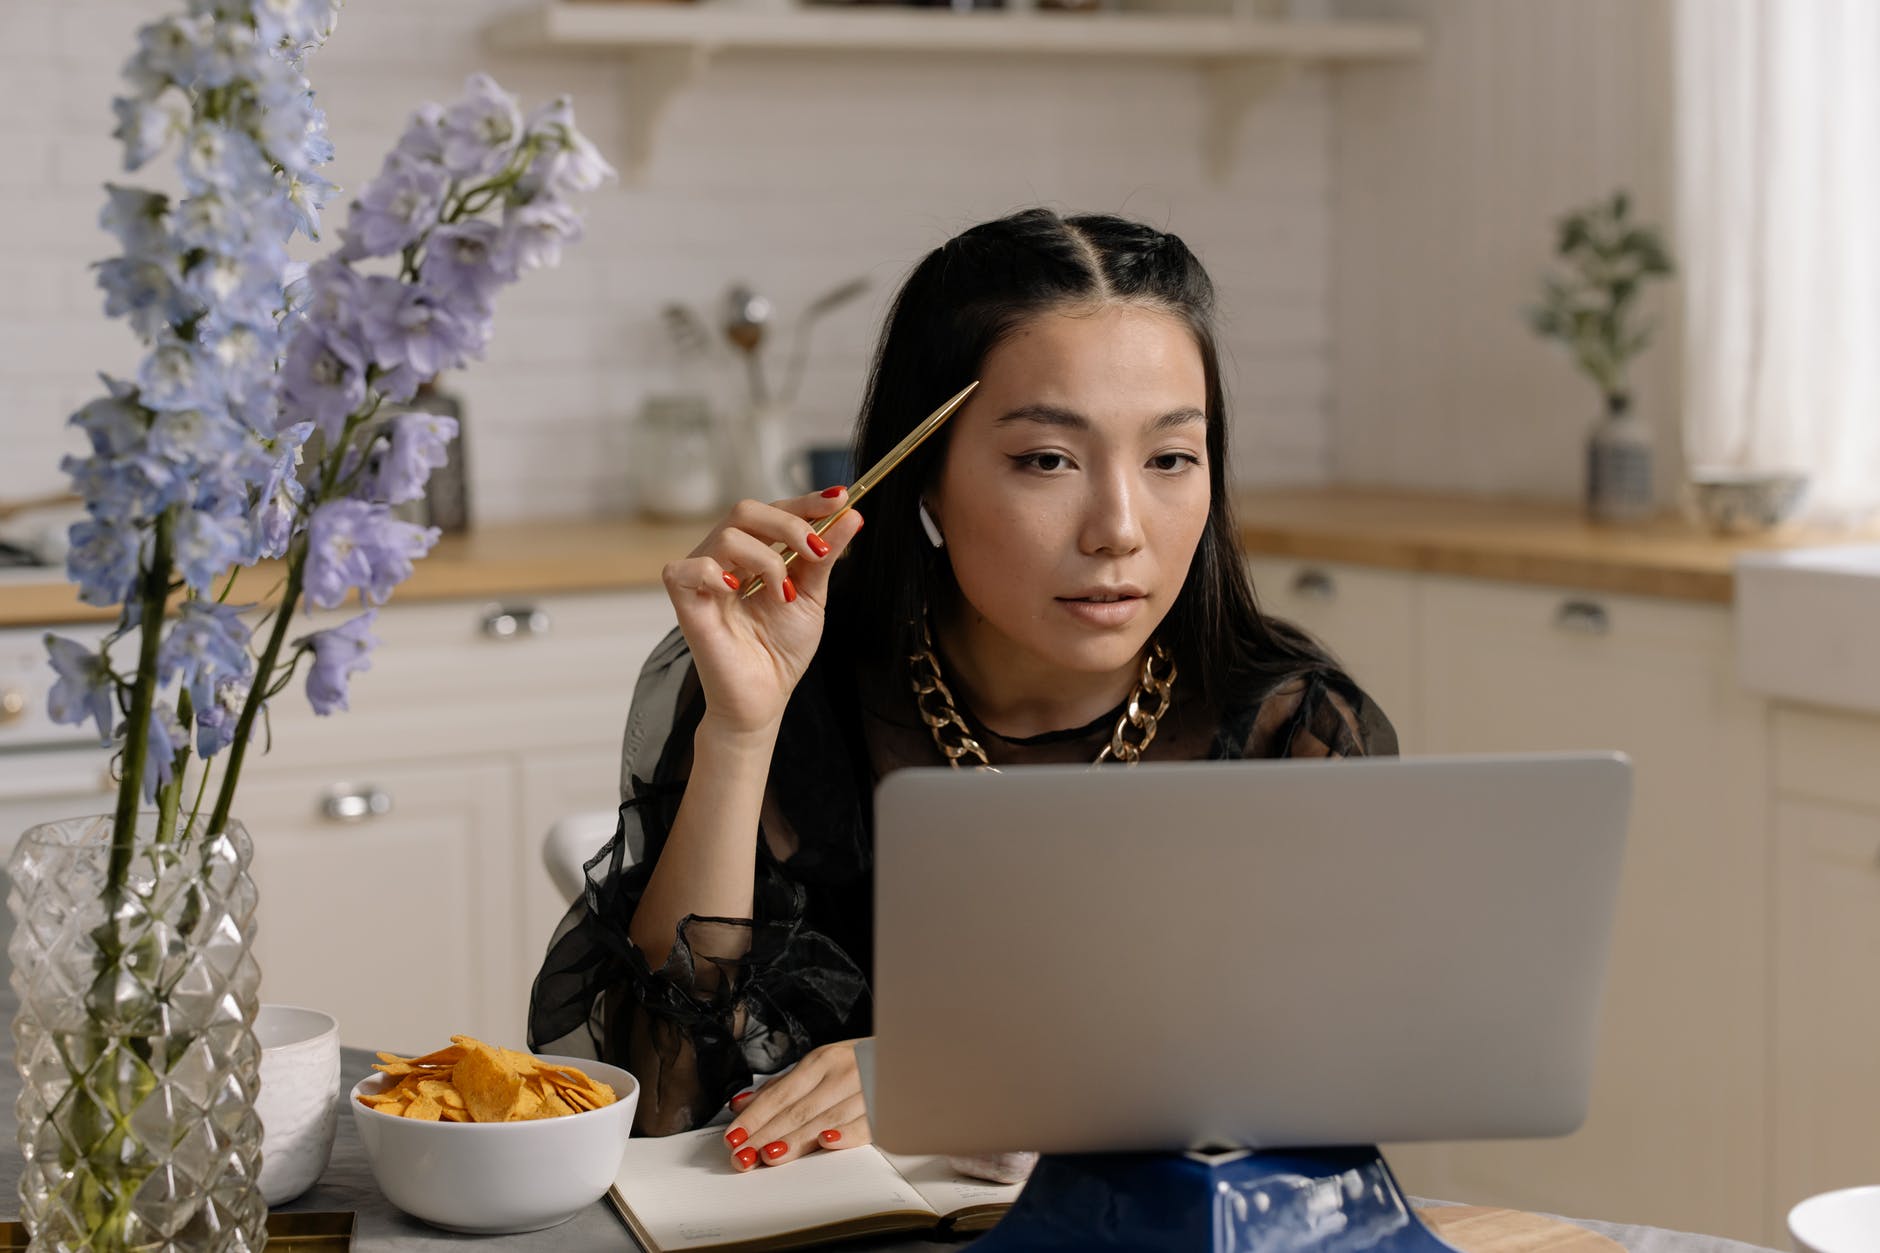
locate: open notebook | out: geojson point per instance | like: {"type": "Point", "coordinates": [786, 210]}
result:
{"type": "Point", "coordinates": [681, 1192]}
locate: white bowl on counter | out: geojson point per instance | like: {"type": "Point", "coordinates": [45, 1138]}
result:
{"type": "Point", "coordinates": [496, 1178]}
{"type": "Point", "coordinates": [1844, 1221]}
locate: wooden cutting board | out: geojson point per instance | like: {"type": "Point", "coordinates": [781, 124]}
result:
{"type": "Point", "coordinates": [1478, 1229]}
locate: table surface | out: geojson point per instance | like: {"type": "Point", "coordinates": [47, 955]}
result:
{"type": "Point", "coordinates": [348, 1185]}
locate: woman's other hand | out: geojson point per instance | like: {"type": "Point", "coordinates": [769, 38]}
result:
{"type": "Point", "coordinates": [817, 1105]}
{"type": "Point", "coordinates": [750, 654]}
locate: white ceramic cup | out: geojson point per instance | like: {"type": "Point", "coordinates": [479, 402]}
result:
{"type": "Point", "coordinates": [1845, 1221]}
{"type": "Point", "coordinates": [299, 1100]}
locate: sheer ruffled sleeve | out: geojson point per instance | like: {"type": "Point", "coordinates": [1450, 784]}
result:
{"type": "Point", "coordinates": [735, 996]}
{"type": "Point", "coordinates": [1320, 713]}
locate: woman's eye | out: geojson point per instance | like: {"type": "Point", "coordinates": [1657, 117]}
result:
{"type": "Point", "coordinates": [1172, 461]}
{"type": "Point", "coordinates": [1048, 462]}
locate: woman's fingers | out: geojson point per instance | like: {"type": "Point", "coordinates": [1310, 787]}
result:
{"type": "Point", "coordinates": [748, 557]}
{"type": "Point", "coordinates": [812, 567]}
{"type": "Point", "coordinates": [697, 576]}
{"type": "Point", "coordinates": [801, 1131]}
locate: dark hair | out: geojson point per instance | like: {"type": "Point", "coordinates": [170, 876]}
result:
{"type": "Point", "coordinates": [961, 301]}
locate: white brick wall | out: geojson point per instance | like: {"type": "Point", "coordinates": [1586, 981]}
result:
{"type": "Point", "coordinates": [792, 173]}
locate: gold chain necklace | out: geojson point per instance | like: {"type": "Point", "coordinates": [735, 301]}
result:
{"type": "Point", "coordinates": [1135, 729]}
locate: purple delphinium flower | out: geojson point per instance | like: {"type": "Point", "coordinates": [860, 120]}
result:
{"type": "Point", "coordinates": [167, 736]}
{"type": "Point", "coordinates": [85, 688]}
{"type": "Point", "coordinates": [353, 544]}
{"type": "Point", "coordinates": [207, 545]}
{"type": "Point", "coordinates": [137, 218]}
{"type": "Point", "coordinates": [209, 643]}
{"type": "Point", "coordinates": [533, 233]}
{"type": "Point", "coordinates": [116, 426]}
{"type": "Point", "coordinates": [337, 654]}
{"type": "Point", "coordinates": [278, 502]}
{"type": "Point", "coordinates": [463, 263]}
{"type": "Point", "coordinates": [102, 560]}
{"type": "Point", "coordinates": [178, 376]}
{"type": "Point", "coordinates": [407, 325]}
{"type": "Point", "coordinates": [480, 130]}
{"type": "Point", "coordinates": [403, 457]}
{"type": "Point", "coordinates": [145, 127]}
{"type": "Point", "coordinates": [323, 379]}
{"type": "Point", "coordinates": [145, 291]}
{"type": "Point", "coordinates": [216, 721]}
{"type": "Point", "coordinates": [395, 209]}
{"type": "Point", "coordinates": [564, 161]}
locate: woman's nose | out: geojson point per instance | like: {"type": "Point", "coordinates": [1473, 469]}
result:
{"type": "Point", "coordinates": [1114, 522]}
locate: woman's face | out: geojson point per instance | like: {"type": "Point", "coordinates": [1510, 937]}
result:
{"type": "Point", "coordinates": [1075, 484]}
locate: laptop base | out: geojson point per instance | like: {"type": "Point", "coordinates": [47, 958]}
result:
{"type": "Point", "coordinates": [1284, 1201]}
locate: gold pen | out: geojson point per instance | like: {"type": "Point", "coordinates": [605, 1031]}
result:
{"type": "Point", "coordinates": [876, 473]}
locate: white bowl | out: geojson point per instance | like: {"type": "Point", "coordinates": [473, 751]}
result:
{"type": "Point", "coordinates": [499, 1177]}
{"type": "Point", "coordinates": [299, 1098]}
{"type": "Point", "coordinates": [1847, 1221]}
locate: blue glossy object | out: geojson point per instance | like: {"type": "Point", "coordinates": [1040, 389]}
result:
{"type": "Point", "coordinates": [1341, 1200]}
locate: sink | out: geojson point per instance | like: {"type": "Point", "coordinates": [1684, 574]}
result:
{"type": "Point", "coordinates": [1808, 625]}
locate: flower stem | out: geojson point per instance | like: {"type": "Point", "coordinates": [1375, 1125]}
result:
{"type": "Point", "coordinates": [257, 692]}
{"type": "Point", "coordinates": [143, 699]}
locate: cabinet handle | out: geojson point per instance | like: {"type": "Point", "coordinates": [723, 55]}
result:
{"type": "Point", "coordinates": [12, 705]}
{"type": "Point", "coordinates": [343, 803]}
{"type": "Point", "coordinates": [509, 622]}
{"type": "Point", "coordinates": [1310, 584]}
{"type": "Point", "coordinates": [1583, 617]}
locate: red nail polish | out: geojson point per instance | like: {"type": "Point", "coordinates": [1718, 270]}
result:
{"type": "Point", "coordinates": [775, 1149]}
{"type": "Point", "coordinates": [747, 1158]}
{"type": "Point", "coordinates": [830, 1136]}
{"type": "Point", "coordinates": [789, 591]}
{"type": "Point", "coordinates": [737, 1137]}
{"type": "Point", "coordinates": [731, 581]}
{"type": "Point", "coordinates": [832, 492]}
{"type": "Point", "coordinates": [738, 1100]}
{"type": "Point", "coordinates": [817, 544]}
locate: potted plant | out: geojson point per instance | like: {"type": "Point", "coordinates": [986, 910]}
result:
{"type": "Point", "coordinates": [1591, 309]}
{"type": "Point", "coordinates": [263, 423]}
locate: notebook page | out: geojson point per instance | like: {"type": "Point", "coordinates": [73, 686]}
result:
{"type": "Point", "coordinates": [685, 1192]}
{"type": "Point", "coordinates": [946, 1189]}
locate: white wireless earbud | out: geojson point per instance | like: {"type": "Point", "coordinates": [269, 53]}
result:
{"type": "Point", "coordinates": [927, 524]}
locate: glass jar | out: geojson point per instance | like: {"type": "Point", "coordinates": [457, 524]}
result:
{"type": "Point", "coordinates": [675, 458]}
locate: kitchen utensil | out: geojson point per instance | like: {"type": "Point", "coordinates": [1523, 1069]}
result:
{"type": "Point", "coordinates": [828, 302]}
{"type": "Point", "coordinates": [746, 314]}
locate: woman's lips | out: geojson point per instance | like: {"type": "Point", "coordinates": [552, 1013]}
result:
{"type": "Point", "coordinates": [1106, 612]}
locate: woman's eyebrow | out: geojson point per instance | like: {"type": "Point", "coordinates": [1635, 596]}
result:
{"type": "Point", "coordinates": [1055, 415]}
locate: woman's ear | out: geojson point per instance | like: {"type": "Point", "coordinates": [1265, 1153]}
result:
{"type": "Point", "coordinates": [932, 528]}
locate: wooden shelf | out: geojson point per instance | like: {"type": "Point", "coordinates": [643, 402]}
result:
{"type": "Point", "coordinates": [669, 45]}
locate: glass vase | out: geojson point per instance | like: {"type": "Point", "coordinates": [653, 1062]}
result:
{"type": "Point", "coordinates": [134, 1039]}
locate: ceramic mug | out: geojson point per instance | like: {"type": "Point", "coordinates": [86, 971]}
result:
{"type": "Point", "coordinates": [299, 1098]}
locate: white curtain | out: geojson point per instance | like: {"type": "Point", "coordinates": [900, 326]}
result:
{"type": "Point", "coordinates": [1778, 115]}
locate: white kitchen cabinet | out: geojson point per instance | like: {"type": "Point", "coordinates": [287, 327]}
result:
{"type": "Point", "coordinates": [1679, 1121]}
{"type": "Point", "coordinates": [398, 845]}
{"type": "Point", "coordinates": [1366, 617]}
{"type": "Point", "coordinates": [1827, 934]}
{"type": "Point", "coordinates": [386, 897]}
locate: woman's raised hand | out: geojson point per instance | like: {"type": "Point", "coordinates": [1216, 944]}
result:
{"type": "Point", "coordinates": [749, 654]}
{"type": "Point", "coordinates": [817, 1105]}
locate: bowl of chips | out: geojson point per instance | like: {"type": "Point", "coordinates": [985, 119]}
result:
{"type": "Point", "coordinates": [479, 1138]}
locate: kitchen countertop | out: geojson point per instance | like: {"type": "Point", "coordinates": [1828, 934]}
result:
{"type": "Point", "coordinates": [1521, 541]}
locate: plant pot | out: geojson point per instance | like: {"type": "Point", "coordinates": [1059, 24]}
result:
{"type": "Point", "coordinates": [1619, 470]}
{"type": "Point", "coordinates": [134, 1040]}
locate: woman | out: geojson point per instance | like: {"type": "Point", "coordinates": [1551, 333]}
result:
{"type": "Point", "coordinates": [1061, 546]}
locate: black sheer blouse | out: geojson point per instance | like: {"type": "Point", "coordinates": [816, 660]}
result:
{"type": "Point", "coordinates": [743, 996]}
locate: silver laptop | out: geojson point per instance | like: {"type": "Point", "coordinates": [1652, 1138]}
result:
{"type": "Point", "coordinates": [1287, 953]}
